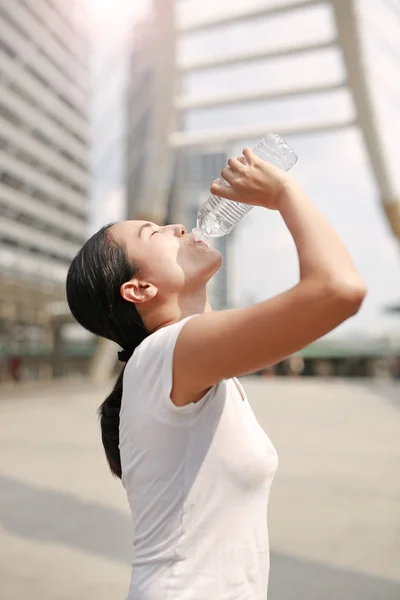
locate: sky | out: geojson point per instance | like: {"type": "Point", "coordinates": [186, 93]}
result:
{"type": "Point", "coordinates": [332, 168]}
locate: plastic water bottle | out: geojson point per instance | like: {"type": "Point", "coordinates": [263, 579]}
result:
{"type": "Point", "coordinates": [218, 216]}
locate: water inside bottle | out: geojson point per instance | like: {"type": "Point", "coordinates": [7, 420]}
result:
{"type": "Point", "coordinates": [218, 216]}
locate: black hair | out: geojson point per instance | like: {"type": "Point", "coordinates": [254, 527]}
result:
{"type": "Point", "coordinates": [93, 287]}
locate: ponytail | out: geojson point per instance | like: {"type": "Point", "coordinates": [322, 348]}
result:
{"type": "Point", "coordinates": [109, 423]}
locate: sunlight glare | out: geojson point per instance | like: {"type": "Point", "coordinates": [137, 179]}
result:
{"type": "Point", "coordinates": [103, 12]}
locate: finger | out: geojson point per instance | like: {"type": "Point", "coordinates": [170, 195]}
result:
{"type": "Point", "coordinates": [223, 191]}
{"type": "Point", "coordinates": [228, 175]}
{"type": "Point", "coordinates": [220, 181]}
{"type": "Point", "coordinates": [236, 165]}
{"type": "Point", "coordinates": [249, 155]}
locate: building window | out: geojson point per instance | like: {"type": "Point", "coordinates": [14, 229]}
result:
{"type": "Point", "coordinates": [60, 68]}
{"type": "Point", "coordinates": [32, 102]}
{"type": "Point", "coordinates": [26, 36]}
{"type": "Point", "coordinates": [26, 158]}
{"type": "Point", "coordinates": [33, 161]}
{"type": "Point", "coordinates": [47, 85]}
{"type": "Point", "coordinates": [7, 49]}
{"type": "Point", "coordinates": [59, 40]}
{"type": "Point", "coordinates": [23, 94]}
{"type": "Point", "coordinates": [6, 17]}
{"type": "Point", "coordinates": [11, 181]}
{"type": "Point", "coordinates": [39, 225]}
{"type": "Point", "coordinates": [19, 185]}
{"type": "Point", "coordinates": [9, 115]}
{"type": "Point", "coordinates": [37, 76]}
{"type": "Point", "coordinates": [5, 144]}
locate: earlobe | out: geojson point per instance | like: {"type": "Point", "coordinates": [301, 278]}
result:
{"type": "Point", "coordinates": [137, 291]}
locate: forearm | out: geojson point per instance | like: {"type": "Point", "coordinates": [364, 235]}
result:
{"type": "Point", "coordinates": [321, 253]}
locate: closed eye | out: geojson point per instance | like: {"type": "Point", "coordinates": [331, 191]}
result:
{"type": "Point", "coordinates": [154, 233]}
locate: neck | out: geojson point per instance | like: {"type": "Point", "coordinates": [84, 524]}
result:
{"type": "Point", "coordinates": [175, 309]}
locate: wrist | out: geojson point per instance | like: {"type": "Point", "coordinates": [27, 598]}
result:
{"type": "Point", "coordinates": [288, 192]}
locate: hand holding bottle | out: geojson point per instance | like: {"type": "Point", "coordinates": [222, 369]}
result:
{"type": "Point", "coordinates": [251, 181]}
{"type": "Point", "coordinates": [217, 216]}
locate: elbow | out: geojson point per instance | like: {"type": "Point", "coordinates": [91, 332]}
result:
{"type": "Point", "coordinates": [350, 295]}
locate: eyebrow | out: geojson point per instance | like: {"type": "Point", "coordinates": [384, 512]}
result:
{"type": "Point", "coordinates": [142, 227]}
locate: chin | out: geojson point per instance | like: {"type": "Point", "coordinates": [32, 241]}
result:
{"type": "Point", "coordinates": [218, 259]}
{"type": "Point", "coordinates": [214, 264]}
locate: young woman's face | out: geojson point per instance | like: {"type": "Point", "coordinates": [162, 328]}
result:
{"type": "Point", "coordinates": [168, 256]}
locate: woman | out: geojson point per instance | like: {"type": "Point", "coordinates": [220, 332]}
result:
{"type": "Point", "coordinates": [177, 427]}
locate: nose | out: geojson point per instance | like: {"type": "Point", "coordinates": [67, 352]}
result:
{"type": "Point", "coordinates": [179, 230]}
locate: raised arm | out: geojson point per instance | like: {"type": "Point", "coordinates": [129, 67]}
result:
{"type": "Point", "coordinates": [219, 345]}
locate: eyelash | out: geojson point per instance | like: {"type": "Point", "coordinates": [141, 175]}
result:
{"type": "Point", "coordinates": [153, 233]}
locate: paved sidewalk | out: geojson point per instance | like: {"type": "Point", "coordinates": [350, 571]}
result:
{"type": "Point", "coordinates": [334, 514]}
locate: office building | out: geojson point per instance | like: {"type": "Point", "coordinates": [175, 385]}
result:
{"type": "Point", "coordinates": [44, 154]}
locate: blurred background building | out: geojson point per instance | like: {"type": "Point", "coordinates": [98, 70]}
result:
{"type": "Point", "coordinates": [179, 85]}
{"type": "Point", "coordinates": [44, 173]}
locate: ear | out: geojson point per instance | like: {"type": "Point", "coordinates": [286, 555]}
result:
{"type": "Point", "coordinates": [138, 291]}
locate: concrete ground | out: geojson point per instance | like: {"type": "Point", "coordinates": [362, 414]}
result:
{"type": "Point", "coordinates": [334, 513]}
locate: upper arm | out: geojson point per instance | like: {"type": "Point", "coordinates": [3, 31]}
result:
{"type": "Point", "coordinates": [219, 345]}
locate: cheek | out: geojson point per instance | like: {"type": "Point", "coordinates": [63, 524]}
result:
{"type": "Point", "coordinates": [164, 266]}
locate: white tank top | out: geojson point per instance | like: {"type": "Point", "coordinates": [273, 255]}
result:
{"type": "Point", "coordinates": [197, 479]}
